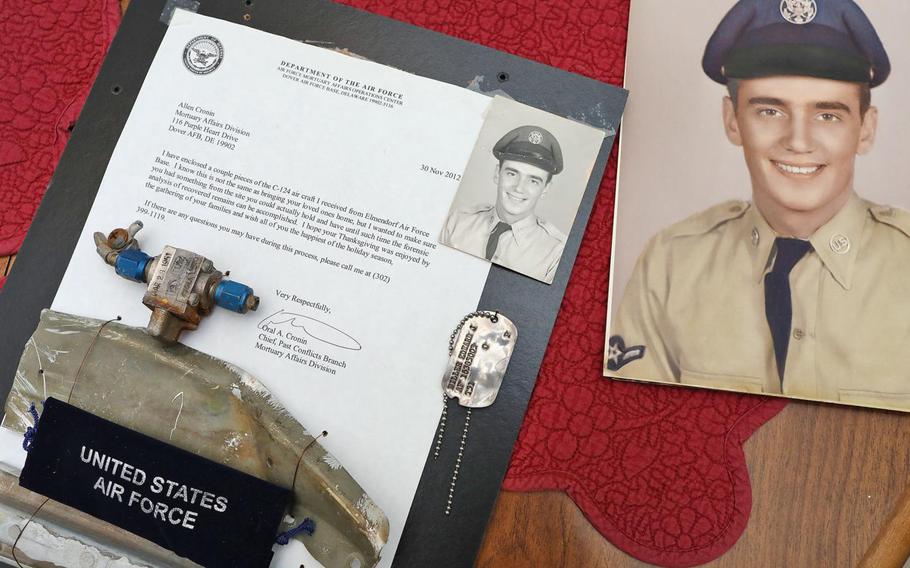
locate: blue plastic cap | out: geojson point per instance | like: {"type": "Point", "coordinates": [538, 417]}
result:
{"type": "Point", "coordinates": [131, 264]}
{"type": "Point", "coordinates": [232, 295]}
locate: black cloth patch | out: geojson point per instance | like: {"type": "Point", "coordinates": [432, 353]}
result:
{"type": "Point", "coordinates": [618, 355]}
{"type": "Point", "coordinates": [200, 509]}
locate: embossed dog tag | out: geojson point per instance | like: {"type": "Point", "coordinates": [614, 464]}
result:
{"type": "Point", "coordinates": [479, 355]}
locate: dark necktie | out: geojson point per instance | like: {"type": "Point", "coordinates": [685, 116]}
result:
{"type": "Point", "coordinates": [493, 241]}
{"type": "Point", "coordinates": [778, 304]}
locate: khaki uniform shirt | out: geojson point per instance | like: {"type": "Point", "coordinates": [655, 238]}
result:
{"type": "Point", "coordinates": [532, 247]}
{"type": "Point", "coordinates": [695, 303]}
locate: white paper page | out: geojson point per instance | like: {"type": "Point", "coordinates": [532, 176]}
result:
{"type": "Point", "coordinates": [289, 140]}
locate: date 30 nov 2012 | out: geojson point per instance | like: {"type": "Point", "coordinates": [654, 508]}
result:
{"type": "Point", "coordinates": [447, 174]}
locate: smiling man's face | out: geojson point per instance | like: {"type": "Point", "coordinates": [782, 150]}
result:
{"type": "Point", "coordinates": [800, 137]}
{"type": "Point", "coordinates": [519, 187]}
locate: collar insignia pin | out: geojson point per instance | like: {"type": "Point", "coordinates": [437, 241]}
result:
{"type": "Point", "coordinates": [840, 244]}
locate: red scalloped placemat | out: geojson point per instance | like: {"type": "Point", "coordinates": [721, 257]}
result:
{"type": "Point", "coordinates": [51, 52]}
{"type": "Point", "coordinates": [659, 471]}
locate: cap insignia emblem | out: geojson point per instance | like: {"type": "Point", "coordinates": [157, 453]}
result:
{"type": "Point", "coordinates": [798, 11]}
{"type": "Point", "coordinates": [535, 137]}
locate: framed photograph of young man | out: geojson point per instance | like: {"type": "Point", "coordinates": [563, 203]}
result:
{"type": "Point", "coordinates": [762, 239]}
{"type": "Point", "coordinates": [520, 192]}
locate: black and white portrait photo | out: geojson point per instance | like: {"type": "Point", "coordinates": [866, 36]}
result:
{"type": "Point", "coordinates": [520, 192]}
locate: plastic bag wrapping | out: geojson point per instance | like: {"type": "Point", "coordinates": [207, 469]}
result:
{"type": "Point", "coordinates": [203, 405]}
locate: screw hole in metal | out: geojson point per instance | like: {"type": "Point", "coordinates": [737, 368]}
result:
{"type": "Point", "coordinates": [502, 77]}
{"type": "Point", "coordinates": [116, 89]}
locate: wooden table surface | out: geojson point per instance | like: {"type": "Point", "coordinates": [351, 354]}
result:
{"type": "Point", "coordinates": [828, 487]}
{"type": "Point", "coordinates": [825, 480]}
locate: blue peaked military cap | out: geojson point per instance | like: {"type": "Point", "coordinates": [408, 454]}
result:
{"type": "Point", "coordinates": [532, 145]}
{"type": "Point", "coordinates": [829, 39]}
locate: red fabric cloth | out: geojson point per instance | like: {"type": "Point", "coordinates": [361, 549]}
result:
{"type": "Point", "coordinates": [52, 50]}
{"type": "Point", "coordinates": [659, 471]}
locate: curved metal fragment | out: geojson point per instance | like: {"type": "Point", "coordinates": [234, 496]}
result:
{"type": "Point", "coordinates": [204, 405]}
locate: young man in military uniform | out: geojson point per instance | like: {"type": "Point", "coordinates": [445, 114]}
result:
{"type": "Point", "coordinates": [509, 232]}
{"type": "Point", "coordinates": [803, 291]}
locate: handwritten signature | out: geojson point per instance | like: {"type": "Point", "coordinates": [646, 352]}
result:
{"type": "Point", "coordinates": [318, 330]}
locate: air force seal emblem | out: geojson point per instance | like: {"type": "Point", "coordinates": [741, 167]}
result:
{"type": "Point", "coordinates": [535, 137]}
{"type": "Point", "coordinates": [203, 54]}
{"type": "Point", "coordinates": [618, 355]}
{"type": "Point", "coordinates": [798, 11]}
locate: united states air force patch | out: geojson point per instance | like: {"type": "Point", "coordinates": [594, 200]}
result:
{"type": "Point", "coordinates": [618, 354]}
{"type": "Point", "coordinates": [203, 54]}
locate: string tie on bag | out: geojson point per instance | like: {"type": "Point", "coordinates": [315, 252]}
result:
{"type": "Point", "coordinates": [31, 431]}
{"type": "Point", "coordinates": [308, 526]}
